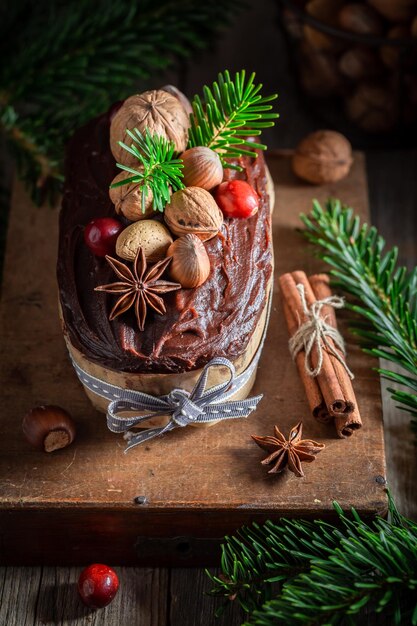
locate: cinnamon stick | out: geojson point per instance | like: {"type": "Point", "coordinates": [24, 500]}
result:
{"type": "Point", "coordinates": [330, 393]}
{"type": "Point", "coordinates": [314, 395]}
{"type": "Point", "coordinates": [346, 422]}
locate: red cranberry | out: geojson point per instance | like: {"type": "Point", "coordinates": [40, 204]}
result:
{"type": "Point", "coordinates": [237, 198]}
{"type": "Point", "coordinates": [97, 585]}
{"type": "Point", "coordinates": [100, 235]}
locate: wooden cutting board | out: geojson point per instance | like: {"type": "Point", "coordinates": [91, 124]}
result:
{"type": "Point", "coordinates": [78, 504]}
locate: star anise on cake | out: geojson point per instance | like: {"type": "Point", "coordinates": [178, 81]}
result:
{"type": "Point", "coordinates": [139, 287]}
{"type": "Point", "coordinates": [289, 452]}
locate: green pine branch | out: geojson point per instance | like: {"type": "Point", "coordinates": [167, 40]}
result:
{"type": "Point", "coordinates": [228, 115]}
{"type": "Point", "coordinates": [160, 170]}
{"type": "Point", "coordinates": [327, 573]}
{"type": "Point", "coordinates": [385, 293]}
{"type": "Point", "coordinates": [66, 62]}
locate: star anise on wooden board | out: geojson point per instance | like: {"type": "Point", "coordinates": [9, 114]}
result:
{"type": "Point", "coordinates": [288, 453]}
{"type": "Point", "coordinates": [139, 287]}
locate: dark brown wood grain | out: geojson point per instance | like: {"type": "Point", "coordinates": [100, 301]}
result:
{"type": "Point", "coordinates": [199, 484]}
{"type": "Point", "coordinates": [48, 595]}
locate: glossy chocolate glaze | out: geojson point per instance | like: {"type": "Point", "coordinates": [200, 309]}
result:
{"type": "Point", "coordinates": [215, 319]}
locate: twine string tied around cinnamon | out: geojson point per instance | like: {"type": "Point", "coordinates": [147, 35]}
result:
{"type": "Point", "coordinates": [316, 333]}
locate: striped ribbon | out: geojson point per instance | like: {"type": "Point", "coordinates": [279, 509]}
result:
{"type": "Point", "coordinates": [200, 406]}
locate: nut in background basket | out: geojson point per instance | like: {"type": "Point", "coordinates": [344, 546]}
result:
{"type": "Point", "coordinates": [363, 54]}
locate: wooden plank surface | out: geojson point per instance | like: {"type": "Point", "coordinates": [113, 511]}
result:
{"type": "Point", "coordinates": [393, 197]}
{"type": "Point", "coordinates": [36, 596]}
{"type": "Point", "coordinates": [197, 482]}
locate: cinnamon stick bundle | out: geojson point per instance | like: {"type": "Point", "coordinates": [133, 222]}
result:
{"type": "Point", "coordinates": [330, 394]}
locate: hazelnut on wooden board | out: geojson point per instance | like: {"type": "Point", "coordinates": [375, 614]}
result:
{"type": "Point", "coordinates": [159, 112]}
{"type": "Point", "coordinates": [150, 235]}
{"type": "Point", "coordinates": [190, 265]}
{"type": "Point", "coordinates": [127, 199]}
{"type": "Point", "coordinates": [324, 156]}
{"type": "Point", "coordinates": [193, 210]}
{"type": "Point", "coordinates": [372, 107]}
{"type": "Point", "coordinates": [395, 10]}
{"type": "Point", "coordinates": [202, 168]}
{"type": "Point", "coordinates": [361, 18]}
{"type": "Point", "coordinates": [48, 428]}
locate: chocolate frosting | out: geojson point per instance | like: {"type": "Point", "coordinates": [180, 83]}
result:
{"type": "Point", "coordinates": [216, 319]}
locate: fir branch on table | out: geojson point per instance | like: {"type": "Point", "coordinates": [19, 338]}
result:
{"type": "Point", "coordinates": [387, 292]}
{"type": "Point", "coordinates": [228, 113]}
{"type": "Point", "coordinates": [327, 572]}
{"type": "Point", "coordinates": [160, 169]}
{"type": "Point", "coordinates": [68, 61]}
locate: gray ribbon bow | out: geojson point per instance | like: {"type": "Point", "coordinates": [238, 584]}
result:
{"type": "Point", "coordinates": [185, 408]}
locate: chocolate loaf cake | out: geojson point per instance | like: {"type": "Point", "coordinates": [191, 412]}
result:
{"type": "Point", "coordinates": [223, 317]}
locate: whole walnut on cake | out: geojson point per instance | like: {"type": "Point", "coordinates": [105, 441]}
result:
{"type": "Point", "coordinates": [159, 112]}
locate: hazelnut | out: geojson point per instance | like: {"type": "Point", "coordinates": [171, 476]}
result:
{"type": "Point", "coordinates": [48, 428]}
{"type": "Point", "coordinates": [127, 199]}
{"type": "Point", "coordinates": [361, 19]}
{"type": "Point", "coordinates": [202, 168]}
{"type": "Point", "coordinates": [150, 235]}
{"type": "Point", "coordinates": [193, 210]}
{"type": "Point", "coordinates": [324, 156]}
{"type": "Point", "coordinates": [190, 265]}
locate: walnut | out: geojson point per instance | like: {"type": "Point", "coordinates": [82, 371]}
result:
{"type": "Point", "coordinates": [158, 111]}
{"type": "Point", "coordinates": [319, 74]}
{"type": "Point", "coordinates": [393, 56]}
{"type": "Point", "coordinates": [324, 156]}
{"type": "Point", "coordinates": [395, 10]}
{"type": "Point", "coordinates": [193, 210]}
{"type": "Point", "coordinates": [127, 199]}
{"type": "Point", "coordinates": [373, 108]}
{"type": "Point", "coordinates": [359, 62]}
{"type": "Point", "coordinates": [362, 19]}
{"type": "Point", "coordinates": [181, 97]}
{"type": "Point", "coordinates": [324, 11]}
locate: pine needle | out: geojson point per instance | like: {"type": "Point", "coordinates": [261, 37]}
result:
{"type": "Point", "coordinates": [228, 112]}
{"type": "Point", "coordinates": [160, 170]}
{"type": "Point", "coordinates": [385, 294]}
{"type": "Point", "coordinates": [328, 572]}
{"type": "Point", "coordinates": [69, 61]}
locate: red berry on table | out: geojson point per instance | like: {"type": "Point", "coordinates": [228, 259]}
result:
{"type": "Point", "coordinates": [100, 235]}
{"type": "Point", "coordinates": [97, 585]}
{"type": "Point", "coordinates": [237, 198]}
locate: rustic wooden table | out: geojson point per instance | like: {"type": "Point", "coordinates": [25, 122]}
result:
{"type": "Point", "coordinates": [160, 597]}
